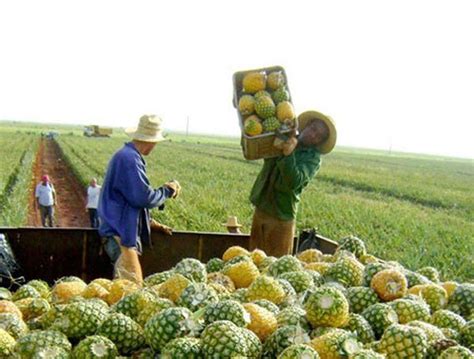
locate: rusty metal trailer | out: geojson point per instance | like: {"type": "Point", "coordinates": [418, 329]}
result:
{"type": "Point", "coordinates": [50, 253]}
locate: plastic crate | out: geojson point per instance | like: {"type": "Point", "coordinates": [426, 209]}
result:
{"type": "Point", "coordinates": [260, 146]}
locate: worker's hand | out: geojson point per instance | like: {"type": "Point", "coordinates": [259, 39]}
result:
{"type": "Point", "coordinates": [158, 227]}
{"type": "Point", "coordinates": [175, 186]}
{"type": "Point", "coordinates": [289, 146]}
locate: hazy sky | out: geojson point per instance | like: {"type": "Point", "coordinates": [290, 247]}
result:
{"type": "Point", "coordinates": [391, 73]}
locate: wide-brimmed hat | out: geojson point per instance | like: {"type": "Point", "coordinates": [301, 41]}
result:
{"type": "Point", "coordinates": [232, 222]}
{"type": "Point", "coordinates": [309, 116]}
{"type": "Point", "coordinates": [148, 130]}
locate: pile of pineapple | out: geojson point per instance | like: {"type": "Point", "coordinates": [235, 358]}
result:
{"type": "Point", "coordinates": [265, 105]}
{"type": "Point", "coordinates": [247, 305]}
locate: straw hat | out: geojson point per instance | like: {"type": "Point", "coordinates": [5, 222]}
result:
{"type": "Point", "coordinates": [232, 222]}
{"type": "Point", "coordinates": [148, 130]}
{"type": "Point", "coordinates": [309, 116]}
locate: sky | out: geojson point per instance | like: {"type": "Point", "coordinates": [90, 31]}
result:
{"type": "Point", "coordinates": [392, 74]}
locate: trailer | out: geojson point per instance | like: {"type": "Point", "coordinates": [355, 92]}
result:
{"type": "Point", "coordinates": [51, 253]}
{"type": "Point", "coordinates": [97, 131]}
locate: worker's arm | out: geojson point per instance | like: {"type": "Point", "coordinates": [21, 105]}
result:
{"type": "Point", "coordinates": [130, 263]}
{"type": "Point", "coordinates": [297, 172]}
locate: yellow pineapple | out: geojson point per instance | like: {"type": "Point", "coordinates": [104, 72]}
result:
{"type": "Point", "coordinates": [310, 255]}
{"type": "Point", "coordinates": [285, 111]}
{"type": "Point", "coordinates": [450, 287]}
{"type": "Point", "coordinates": [262, 322]}
{"type": "Point", "coordinates": [242, 273]}
{"type": "Point", "coordinates": [258, 256]}
{"type": "Point", "coordinates": [389, 284]}
{"type": "Point", "coordinates": [266, 287]}
{"type": "Point", "coordinates": [221, 279]}
{"type": "Point", "coordinates": [320, 267]}
{"type": "Point", "coordinates": [275, 80]}
{"type": "Point", "coordinates": [119, 289]}
{"type": "Point", "coordinates": [254, 82]}
{"type": "Point", "coordinates": [234, 251]}
{"type": "Point", "coordinates": [106, 283]}
{"type": "Point", "coordinates": [95, 290]}
{"type": "Point", "coordinates": [63, 291]}
{"type": "Point", "coordinates": [247, 105]}
{"type": "Point", "coordinates": [173, 287]}
{"type": "Point", "coordinates": [9, 307]}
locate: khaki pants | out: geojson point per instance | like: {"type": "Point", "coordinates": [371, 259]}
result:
{"type": "Point", "coordinates": [272, 235]}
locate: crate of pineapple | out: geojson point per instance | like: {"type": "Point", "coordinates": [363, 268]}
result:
{"type": "Point", "coordinates": [265, 110]}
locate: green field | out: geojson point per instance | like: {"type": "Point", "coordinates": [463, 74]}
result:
{"type": "Point", "coordinates": [418, 210]}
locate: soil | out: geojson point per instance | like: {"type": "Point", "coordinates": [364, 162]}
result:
{"type": "Point", "coordinates": [70, 194]}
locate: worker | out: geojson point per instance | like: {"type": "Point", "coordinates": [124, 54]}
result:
{"type": "Point", "coordinates": [277, 189]}
{"type": "Point", "coordinates": [93, 193]}
{"type": "Point", "coordinates": [127, 197]}
{"type": "Point", "coordinates": [232, 225]}
{"type": "Point", "coordinates": [46, 200]}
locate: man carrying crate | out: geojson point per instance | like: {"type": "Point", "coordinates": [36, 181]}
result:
{"type": "Point", "coordinates": [277, 189]}
{"type": "Point", "coordinates": [127, 197]}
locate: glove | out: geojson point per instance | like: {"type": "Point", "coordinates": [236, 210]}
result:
{"type": "Point", "coordinates": [175, 186]}
{"type": "Point", "coordinates": [128, 266]}
{"type": "Point", "coordinates": [287, 147]}
{"type": "Point", "coordinates": [158, 227]}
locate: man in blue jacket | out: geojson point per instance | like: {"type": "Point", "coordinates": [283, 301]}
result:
{"type": "Point", "coordinates": [127, 197]}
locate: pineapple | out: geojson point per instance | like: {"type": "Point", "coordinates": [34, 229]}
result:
{"type": "Point", "coordinates": [64, 291]}
{"type": "Point", "coordinates": [360, 298]}
{"type": "Point", "coordinates": [434, 295]}
{"type": "Point", "coordinates": [327, 307]}
{"type": "Point", "coordinates": [223, 339]}
{"type": "Point", "coordinates": [264, 303]}
{"type": "Point", "coordinates": [347, 271]}
{"type": "Point", "coordinates": [414, 279]}
{"type": "Point", "coordinates": [230, 310]}
{"type": "Point", "coordinates": [361, 327]}
{"type": "Point", "coordinates": [299, 280]}
{"type": "Point", "coordinates": [28, 345]}
{"type": "Point", "coordinates": [372, 269]}
{"type": "Point", "coordinates": [234, 251]}
{"type": "Point", "coordinates": [380, 316]}
{"type": "Point", "coordinates": [173, 287]}
{"type": "Point", "coordinates": [389, 284]}
{"type": "Point", "coordinates": [320, 267]}
{"type": "Point", "coordinates": [95, 290]}
{"type": "Point", "coordinates": [51, 352]}
{"type": "Point", "coordinates": [431, 273]}
{"type": "Point", "coordinates": [214, 265]}
{"type": "Point", "coordinates": [252, 342]}
{"type": "Point", "coordinates": [284, 264]}
{"type": "Point", "coordinates": [25, 291]}
{"type": "Point", "coordinates": [126, 334]}
{"type": "Point", "coordinates": [254, 82]}
{"type": "Point", "coordinates": [354, 245]}
{"type": "Point", "coordinates": [285, 111]}
{"type": "Point", "coordinates": [336, 344]}
{"type": "Point", "coordinates": [94, 347]}
{"type": "Point", "coordinates": [185, 347]}
{"type": "Point", "coordinates": [13, 325]}
{"type": "Point", "coordinates": [280, 95]}
{"type": "Point", "coordinates": [467, 334]}
{"type": "Point", "coordinates": [157, 278]}
{"type": "Point", "coordinates": [275, 80]}
{"type": "Point", "coordinates": [446, 319]}
{"type": "Point", "coordinates": [282, 338]}
{"type": "Point", "coordinates": [309, 255]}
{"type": "Point", "coordinates": [80, 319]}
{"type": "Point", "coordinates": [197, 296]}
{"type": "Point", "coordinates": [152, 308]}
{"type": "Point", "coordinates": [450, 287]}
{"type": "Point", "coordinates": [409, 310]}
{"type": "Point", "coordinates": [432, 332]}
{"type": "Point", "coordinates": [242, 273]}
{"type": "Point", "coordinates": [132, 304]}
{"type": "Point", "coordinates": [271, 124]}
{"type": "Point", "coordinates": [192, 269]}
{"type": "Point", "coordinates": [247, 105]}
{"type": "Point", "coordinates": [261, 94]}
{"type": "Point", "coordinates": [262, 322]}
{"type": "Point", "coordinates": [7, 343]}
{"type": "Point", "coordinates": [265, 287]}
{"type": "Point", "coordinates": [258, 256]}
{"type": "Point", "coordinates": [463, 298]}
{"type": "Point", "coordinates": [293, 316]}
{"type": "Point", "coordinates": [41, 286]}
{"type": "Point", "coordinates": [402, 341]}
{"type": "Point", "coordinates": [167, 325]}
{"type": "Point", "coordinates": [264, 107]}
{"type": "Point", "coordinates": [5, 294]}
{"type": "Point", "coordinates": [119, 289]}
{"type": "Point", "coordinates": [221, 279]}
{"type": "Point", "coordinates": [253, 126]}
{"type": "Point", "coordinates": [367, 354]}
{"type": "Point", "coordinates": [299, 351]}
{"type": "Point", "coordinates": [436, 347]}
{"type": "Point", "coordinates": [104, 282]}
{"type": "Point", "coordinates": [456, 352]}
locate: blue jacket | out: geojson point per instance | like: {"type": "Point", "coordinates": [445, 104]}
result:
{"type": "Point", "coordinates": [127, 196]}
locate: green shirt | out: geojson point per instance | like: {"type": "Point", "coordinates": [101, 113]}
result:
{"type": "Point", "coordinates": [278, 186]}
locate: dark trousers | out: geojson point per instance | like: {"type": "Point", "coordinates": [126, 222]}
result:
{"type": "Point", "coordinates": [47, 214]}
{"type": "Point", "coordinates": [94, 217]}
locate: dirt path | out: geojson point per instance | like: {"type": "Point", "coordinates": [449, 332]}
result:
{"type": "Point", "coordinates": [71, 195]}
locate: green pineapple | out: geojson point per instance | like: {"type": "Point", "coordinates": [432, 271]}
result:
{"type": "Point", "coordinates": [463, 298]}
{"type": "Point", "coordinates": [197, 296]}
{"type": "Point", "coordinates": [167, 325]}
{"type": "Point", "coordinates": [299, 280]}
{"type": "Point", "coordinates": [435, 296]}
{"type": "Point", "coordinates": [432, 332]}
{"type": "Point", "coordinates": [95, 346]}
{"type": "Point", "coordinates": [271, 124]}
{"type": "Point", "coordinates": [359, 325]}
{"type": "Point", "coordinates": [282, 338]}
{"type": "Point", "coordinates": [192, 269]}
{"type": "Point", "coordinates": [414, 278]}
{"type": "Point", "coordinates": [51, 352]}
{"type": "Point", "coordinates": [456, 352]}
{"type": "Point", "coordinates": [347, 271]}
{"type": "Point", "coordinates": [182, 348]}
{"type": "Point", "coordinates": [327, 307]}
{"type": "Point", "coordinates": [402, 341]}
{"type": "Point", "coordinates": [360, 298]}
{"type": "Point", "coordinates": [29, 344]}
{"type": "Point", "coordinates": [265, 264]}
{"type": "Point", "coordinates": [252, 342]}
{"type": "Point", "coordinates": [223, 339]}
{"type": "Point", "coordinates": [271, 307]}
{"type": "Point", "coordinates": [214, 265]}
{"type": "Point", "coordinates": [429, 272]}
{"type": "Point", "coordinates": [446, 319]}
{"type": "Point", "coordinates": [372, 269]}
{"type": "Point", "coordinates": [264, 107]}
{"type": "Point", "coordinates": [380, 316]}
{"type": "Point", "coordinates": [281, 94]}
{"type": "Point", "coordinates": [367, 354]}
{"type": "Point", "coordinates": [354, 245]}
{"type": "Point", "coordinates": [41, 286]}
{"type": "Point", "coordinates": [467, 334]}
{"type": "Point", "coordinates": [123, 331]}
{"type": "Point", "coordinates": [261, 93]}
{"type": "Point", "coordinates": [13, 325]}
{"type": "Point", "coordinates": [152, 308]}
{"type": "Point", "coordinates": [230, 310]}
{"type": "Point", "coordinates": [284, 264]}
{"type": "Point", "coordinates": [265, 287]}
{"type": "Point", "coordinates": [132, 304]}
{"type": "Point", "coordinates": [25, 291]}
{"type": "Point", "coordinates": [299, 351]}
{"type": "Point", "coordinates": [80, 319]}
{"type": "Point", "coordinates": [436, 347]}
{"type": "Point", "coordinates": [157, 278]}
{"type": "Point", "coordinates": [409, 310]}
{"type": "Point", "coordinates": [293, 316]}
{"type": "Point", "coordinates": [240, 295]}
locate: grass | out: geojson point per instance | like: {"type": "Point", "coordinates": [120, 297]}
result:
{"type": "Point", "coordinates": [417, 210]}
